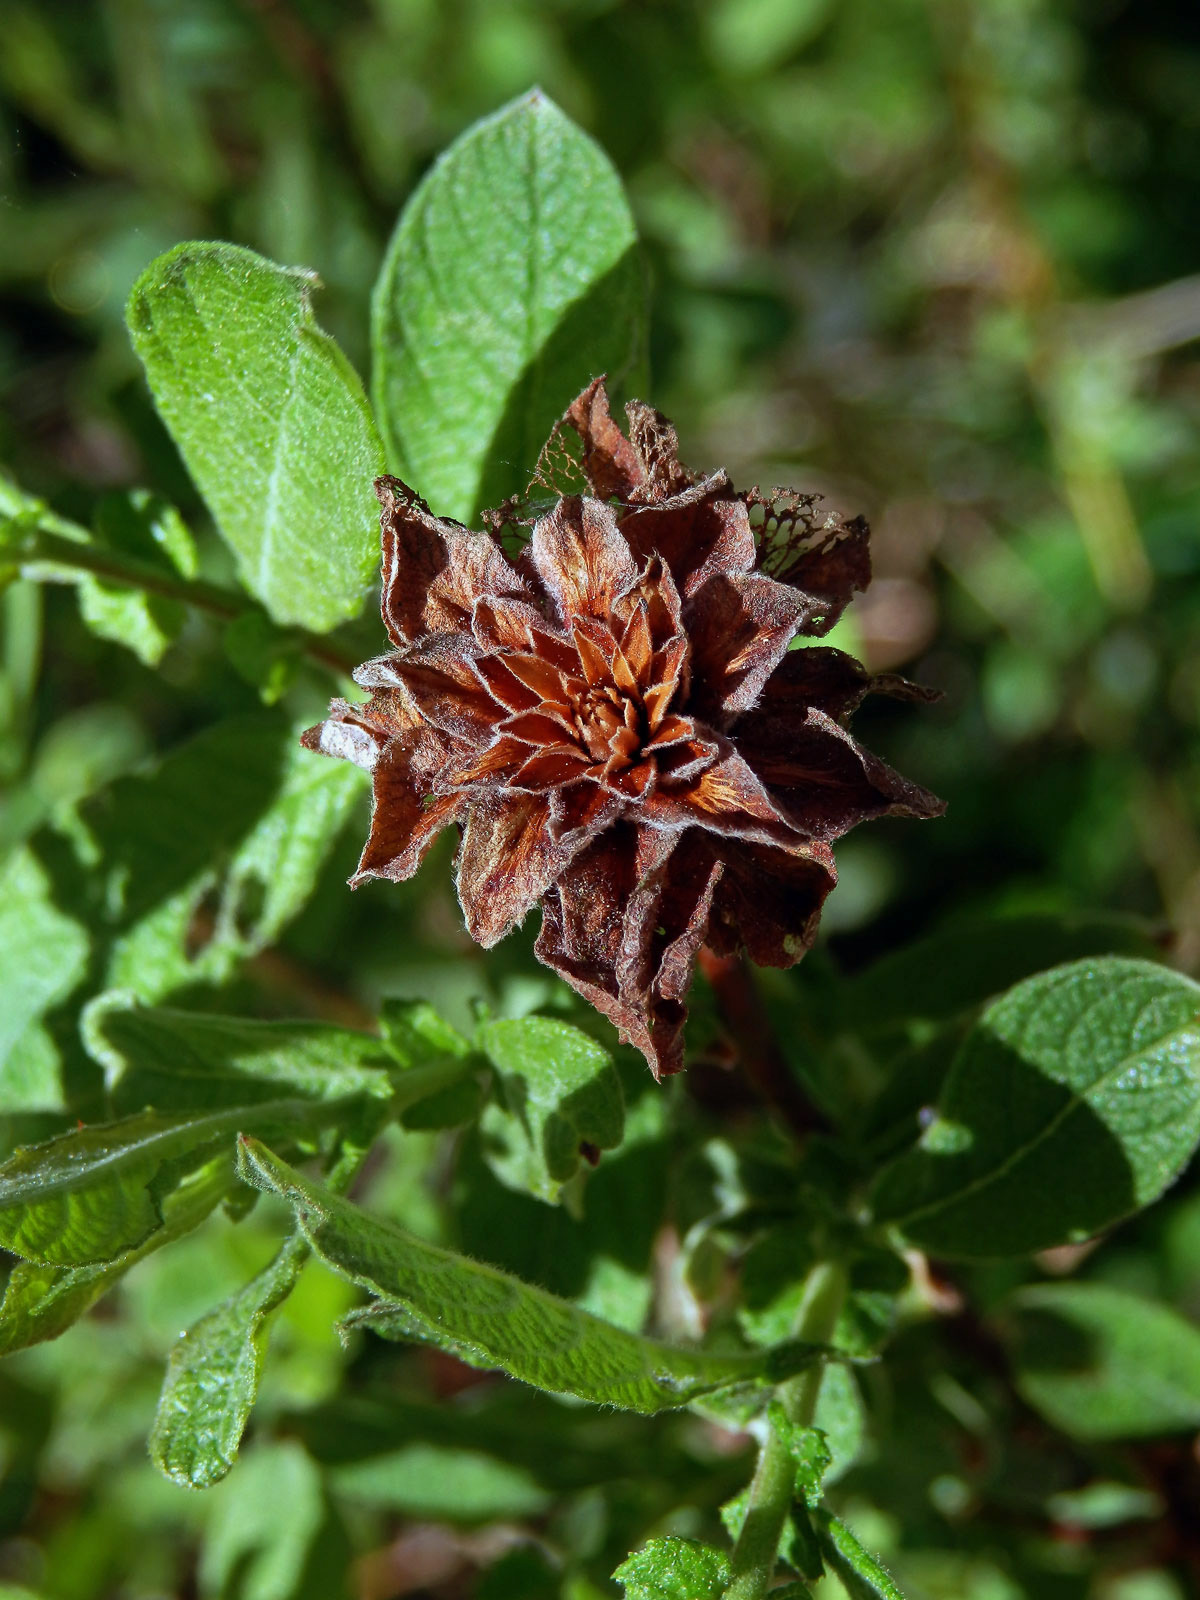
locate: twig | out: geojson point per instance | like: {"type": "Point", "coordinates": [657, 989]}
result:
{"type": "Point", "coordinates": [40, 547]}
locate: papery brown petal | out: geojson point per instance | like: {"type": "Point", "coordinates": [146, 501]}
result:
{"type": "Point", "coordinates": [726, 797]}
{"type": "Point", "coordinates": [581, 558]}
{"type": "Point", "coordinates": [347, 734]}
{"type": "Point", "coordinates": [665, 926]}
{"type": "Point", "coordinates": [580, 810]}
{"type": "Point", "coordinates": [739, 629]}
{"type": "Point", "coordinates": [433, 570]}
{"type": "Point", "coordinates": [671, 730]}
{"type": "Point", "coordinates": [702, 531]}
{"type": "Point", "coordinates": [511, 625]}
{"type": "Point", "coordinates": [823, 779]}
{"type": "Point", "coordinates": [636, 643]}
{"type": "Point", "coordinates": [545, 680]}
{"type": "Point", "coordinates": [539, 728]}
{"type": "Point", "coordinates": [817, 676]}
{"type": "Point", "coordinates": [547, 769]}
{"type": "Point", "coordinates": [769, 901]}
{"type": "Point", "coordinates": [505, 688]}
{"type": "Point", "coordinates": [633, 782]}
{"type": "Point", "coordinates": [442, 683]}
{"type": "Point", "coordinates": [622, 925]}
{"type": "Point", "coordinates": [405, 817]}
{"type": "Point", "coordinates": [655, 589]}
{"type": "Point", "coordinates": [831, 571]}
{"type": "Point", "coordinates": [509, 857]}
{"type": "Point", "coordinates": [610, 463]}
{"type": "Point", "coordinates": [583, 921]}
{"type": "Point", "coordinates": [657, 445]}
{"type": "Point", "coordinates": [494, 764]}
{"type": "Point", "coordinates": [592, 658]}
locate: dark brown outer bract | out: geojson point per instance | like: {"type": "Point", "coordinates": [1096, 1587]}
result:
{"type": "Point", "coordinates": [616, 723]}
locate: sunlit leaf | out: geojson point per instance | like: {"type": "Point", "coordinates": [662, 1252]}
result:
{"type": "Point", "coordinates": [271, 421]}
{"type": "Point", "coordinates": [1091, 1070]}
{"type": "Point", "coordinates": [490, 1319]}
{"type": "Point", "coordinates": [512, 280]}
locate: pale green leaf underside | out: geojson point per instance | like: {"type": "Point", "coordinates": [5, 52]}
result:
{"type": "Point", "coordinates": [1091, 1069]}
{"type": "Point", "coordinates": [512, 279]}
{"type": "Point", "coordinates": [271, 421]}
{"type": "Point", "coordinates": [487, 1317]}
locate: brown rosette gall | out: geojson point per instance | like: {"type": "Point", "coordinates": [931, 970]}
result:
{"type": "Point", "coordinates": [615, 720]}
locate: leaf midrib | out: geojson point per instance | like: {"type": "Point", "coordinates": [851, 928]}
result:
{"type": "Point", "coordinates": [1077, 1100]}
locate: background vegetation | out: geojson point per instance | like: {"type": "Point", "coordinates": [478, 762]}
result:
{"type": "Point", "coordinates": [933, 258]}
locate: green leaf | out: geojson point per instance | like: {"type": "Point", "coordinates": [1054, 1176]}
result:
{"type": "Point", "coordinates": [43, 955]}
{"type": "Point", "coordinates": [558, 1102]}
{"type": "Point", "coordinates": [511, 281]}
{"type": "Point", "coordinates": [262, 1524]}
{"type": "Point", "coordinates": [1091, 1070]}
{"type": "Point", "coordinates": [674, 1569]}
{"type": "Point", "coordinates": [93, 1193]}
{"type": "Point", "coordinates": [809, 1450]}
{"type": "Point", "coordinates": [862, 1576]}
{"type": "Point", "coordinates": [1102, 1364]}
{"type": "Point", "coordinates": [438, 1481]}
{"type": "Point", "coordinates": [418, 1038]}
{"type": "Point", "coordinates": [141, 525]}
{"type": "Point", "coordinates": [969, 960]}
{"type": "Point", "coordinates": [194, 1061]}
{"type": "Point", "coordinates": [203, 860]}
{"type": "Point", "coordinates": [212, 1377]}
{"type": "Point", "coordinates": [271, 421]}
{"type": "Point", "coordinates": [490, 1319]}
{"type": "Point", "coordinates": [40, 1301]}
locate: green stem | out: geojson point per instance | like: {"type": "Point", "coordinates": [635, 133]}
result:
{"type": "Point", "coordinates": [42, 546]}
{"type": "Point", "coordinates": [773, 1487]}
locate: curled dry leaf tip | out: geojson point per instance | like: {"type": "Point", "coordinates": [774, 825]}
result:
{"type": "Point", "coordinates": [616, 722]}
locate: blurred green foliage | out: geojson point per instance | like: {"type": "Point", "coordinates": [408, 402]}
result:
{"type": "Point", "coordinates": [938, 259]}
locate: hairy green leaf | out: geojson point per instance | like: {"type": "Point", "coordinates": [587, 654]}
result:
{"type": "Point", "coordinates": [212, 1377]}
{"type": "Point", "coordinates": [271, 421]}
{"type": "Point", "coordinates": [202, 860]}
{"type": "Point", "coordinates": [194, 1061]}
{"type": "Point", "coordinates": [862, 1576]}
{"type": "Point", "coordinates": [1091, 1070]}
{"type": "Point", "coordinates": [674, 1569]}
{"type": "Point", "coordinates": [41, 1301]}
{"type": "Point", "coordinates": [511, 281]}
{"type": "Point", "coordinates": [1103, 1364]}
{"type": "Point", "coordinates": [558, 1102]}
{"type": "Point", "coordinates": [490, 1319]}
{"type": "Point", "coordinates": [93, 1193]}
{"type": "Point", "coordinates": [809, 1450]}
